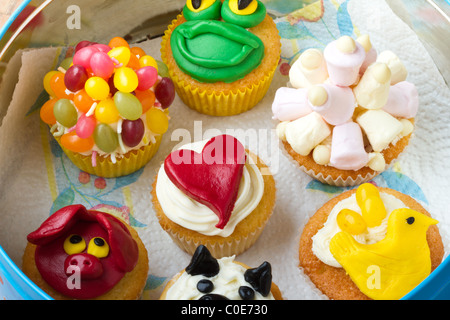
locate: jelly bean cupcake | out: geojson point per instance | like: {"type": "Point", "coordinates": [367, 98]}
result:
{"type": "Point", "coordinates": [208, 278]}
{"type": "Point", "coordinates": [222, 56]}
{"type": "Point", "coordinates": [214, 193]}
{"type": "Point", "coordinates": [348, 112]}
{"type": "Point", "coordinates": [86, 254]}
{"type": "Point", "coordinates": [108, 107]}
{"type": "Point", "coordinates": [370, 243]}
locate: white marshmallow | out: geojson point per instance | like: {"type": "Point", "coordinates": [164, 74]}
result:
{"type": "Point", "coordinates": [398, 69]}
{"type": "Point", "coordinates": [372, 91]}
{"type": "Point", "coordinates": [309, 69]}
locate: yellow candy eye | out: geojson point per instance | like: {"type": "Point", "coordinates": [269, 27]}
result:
{"type": "Point", "coordinates": [351, 222]}
{"type": "Point", "coordinates": [372, 207]}
{"type": "Point", "coordinates": [243, 7]}
{"type": "Point", "coordinates": [98, 247]}
{"type": "Point", "coordinates": [199, 5]}
{"type": "Point", "coordinates": [74, 244]}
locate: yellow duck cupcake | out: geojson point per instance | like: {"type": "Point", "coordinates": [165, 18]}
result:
{"type": "Point", "coordinates": [370, 243]}
{"type": "Point", "coordinates": [107, 107]}
{"type": "Point", "coordinates": [222, 67]}
{"type": "Point", "coordinates": [214, 193]}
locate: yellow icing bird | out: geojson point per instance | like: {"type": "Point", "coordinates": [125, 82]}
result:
{"type": "Point", "coordinates": [392, 267]}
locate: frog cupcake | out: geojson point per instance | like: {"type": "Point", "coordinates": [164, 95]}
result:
{"type": "Point", "coordinates": [222, 56]}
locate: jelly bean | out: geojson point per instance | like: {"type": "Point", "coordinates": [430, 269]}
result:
{"type": "Point", "coordinates": [83, 56]}
{"type": "Point", "coordinates": [351, 222]}
{"type": "Point", "coordinates": [132, 132]}
{"type": "Point", "coordinates": [157, 121]}
{"type": "Point", "coordinates": [106, 111]}
{"type": "Point", "coordinates": [372, 207]}
{"type": "Point", "coordinates": [128, 105]}
{"type": "Point", "coordinates": [165, 92]}
{"type": "Point", "coordinates": [97, 88]}
{"type": "Point", "coordinates": [148, 61]}
{"type": "Point", "coordinates": [65, 113]}
{"type": "Point", "coordinates": [75, 78]}
{"type": "Point", "coordinates": [82, 44]}
{"type": "Point", "coordinates": [118, 42]}
{"type": "Point", "coordinates": [46, 112]}
{"type": "Point", "coordinates": [163, 71]}
{"type": "Point", "coordinates": [134, 62]}
{"type": "Point", "coordinates": [82, 101]}
{"type": "Point", "coordinates": [125, 79]}
{"type": "Point", "coordinates": [105, 138]}
{"type": "Point", "coordinates": [66, 63]}
{"type": "Point", "coordinates": [73, 142]}
{"type": "Point", "coordinates": [59, 88]}
{"type": "Point", "coordinates": [121, 54]}
{"type": "Point", "coordinates": [147, 77]}
{"type": "Point", "coordinates": [138, 52]}
{"type": "Point", "coordinates": [85, 126]}
{"type": "Point", "coordinates": [147, 99]}
{"type": "Point", "coordinates": [47, 79]}
{"type": "Point", "coordinates": [102, 47]}
{"type": "Point", "coordinates": [102, 65]}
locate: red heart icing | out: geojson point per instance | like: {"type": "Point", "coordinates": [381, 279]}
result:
{"type": "Point", "coordinates": [211, 177]}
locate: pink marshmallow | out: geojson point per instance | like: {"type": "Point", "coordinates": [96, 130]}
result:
{"type": "Point", "coordinates": [343, 68]}
{"type": "Point", "coordinates": [403, 100]}
{"type": "Point", "coordinates": [339, 106]}
{"type": "Point", "coordinates": [290, 104]}
{"type": "Point", "coordinates": [347, 147]}
{"type": "Point", "coordinates": [371, 57]}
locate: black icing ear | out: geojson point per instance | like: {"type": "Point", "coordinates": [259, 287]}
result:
{"type": "Point", "coordinates": [242, 4]}
{"type": "Point", "coordinates": [203, 263]}
{"type": "Point", "coordinates": [260, 278]}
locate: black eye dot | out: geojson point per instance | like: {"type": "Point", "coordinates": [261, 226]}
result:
{"type": "Point", "coordinates": [410, 220]}
{"type": "Point", "coordinates": [246, 293]}
{"type": "Point", "coordinates": [75, 239]}
{"type": "Point", "coordinates": [205, 286]}
{"type": "Point", "coordinates": [99, 242]}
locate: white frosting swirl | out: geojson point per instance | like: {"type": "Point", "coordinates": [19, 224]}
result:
{"type": "Point", "coordinates": [226, 283]}
{"type": "Point", "coordinates": [321, 240]}
{"type": "Point", "coordinates": [191, 214]}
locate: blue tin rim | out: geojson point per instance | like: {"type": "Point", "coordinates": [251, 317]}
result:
{"type": "Point", "coordinates": [22, 277]}
{"type": "Point", "coordinates": [13, 17]}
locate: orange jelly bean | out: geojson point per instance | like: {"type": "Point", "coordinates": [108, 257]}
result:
{"type": "Point", "coordinates": [74, 143]}
{"type": "Point", "coordinates": [138, 52]}
{"type": "Point", "coordinates": [46, 112]}
{"type": "Point", "coordinates": [118, 42]}
{"type": "Point", "coordinates": [147, 99]}
{"type": "Point", "coordinates": [83, 101]}
{"type": "Point", "coordinates": [59, 88]}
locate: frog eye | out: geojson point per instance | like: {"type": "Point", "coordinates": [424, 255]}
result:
{"type": "Point", "coordinates": [202, 9]}
{"type": "Point", "coordinates": [98, 247]}
{"type": "Point", "coordinates": [244, 13]}
{"type": "Point", "coordinates": [74, 244]}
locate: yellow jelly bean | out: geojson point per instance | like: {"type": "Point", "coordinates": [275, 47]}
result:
{"type": "Point", "coordinates": [121, 54]}
{"type": "Point", "coordinates": [125, 79]}
{"type": "Point", "coordinates": [157, 121]}
{"type": "Point", "coordinates": [106, 111]}
{"type": "Point", "coordinates": [146, 61]}
{"type": "Point", "coordinates": [97, 88]}
{"type": "Point", "coordinates": [47, 79]}
{"type": "Point", "coordinates": [351, 222]}
{"type": "Point", "coordinates": [372, 207]}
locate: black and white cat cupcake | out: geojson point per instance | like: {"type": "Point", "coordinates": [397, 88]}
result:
{"type": "Point", "coordinates": [208, 278]}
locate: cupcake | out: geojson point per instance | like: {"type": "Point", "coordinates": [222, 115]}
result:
{"type": "Point", "coordinates": [222, 56]}
{"type": "Point", "coordinates": [214, 193]}
{"type": "Point", "coordinates": [86, 254]}
{"type": "Point", "coordinates": [370, 243]}
{"type": "Point", "coordinates": [107, 107]}
{"type": "Point", "coordinates": [208, 278]}
{"type": "Point", "coordinates": [348, 112]}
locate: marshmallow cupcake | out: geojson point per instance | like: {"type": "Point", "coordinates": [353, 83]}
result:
{"type": "Point", "coordinates": [214, 193]}
{"type": "Point", "coordinates": [208, 278]}
{"type": "Point", "coordinates": [348, 112]}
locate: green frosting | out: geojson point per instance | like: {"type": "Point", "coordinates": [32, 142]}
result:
{"type": "Point", "coordinates": [210, 13]}
{"type": "Point", "coordinates": [245, 21]}
{"type": "Point", "coordinates": [211, 51]}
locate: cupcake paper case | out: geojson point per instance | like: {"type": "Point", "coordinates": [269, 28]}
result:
{"type": "Point", "coordinates": [362, 243]}
{"type": "Point", "coordinates": [349, 113]}
{"type": "Point", "coordinates": [222, 68]}
{"type": "Point", "coordinates": [108, 107]}
{"type": "Point", "coordinates": [222, 202]}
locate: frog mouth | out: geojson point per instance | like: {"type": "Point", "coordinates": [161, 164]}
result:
{"type": "Point", "coordinates": [211, 51]}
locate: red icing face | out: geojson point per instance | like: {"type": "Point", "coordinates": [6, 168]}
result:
{"type": "Point", "coordinates": [88, 268]}
{"type": "Point", "coordinates": [211, 177]}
